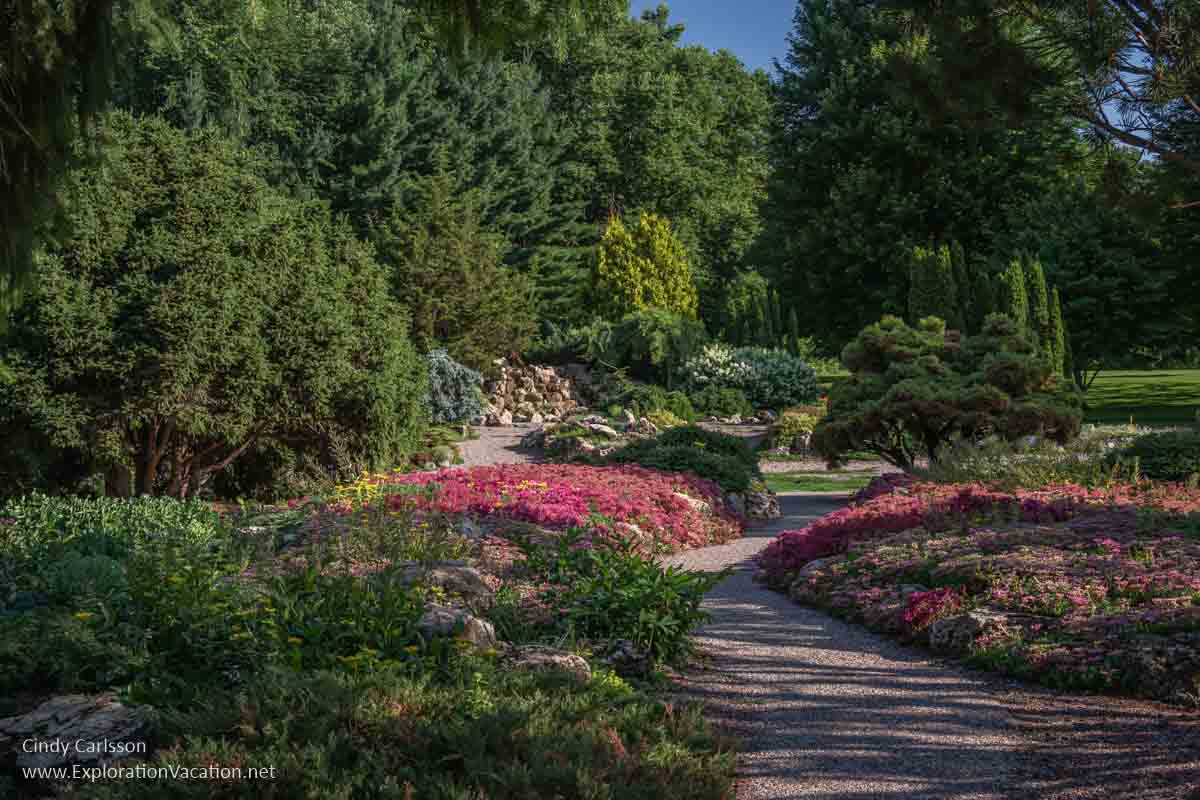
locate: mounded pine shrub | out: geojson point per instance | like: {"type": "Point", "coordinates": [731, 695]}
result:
{"type": "Point", "coordinates": [454, 389]}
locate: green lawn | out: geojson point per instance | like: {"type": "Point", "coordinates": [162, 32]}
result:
{"type": "Point", "coordinates": [818, 481]}
{"type": "Point", "coordinates": [1151, 397]}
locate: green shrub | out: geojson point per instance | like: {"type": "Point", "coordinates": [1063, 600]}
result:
{"type": "Point", "coordinates": [652, 345]}
{"type": "Point", "coordinates": [795, 423]}
{"type": "Point", "coordinates": [718, 401]}
{"type": "Point", "coordinates": [777, 378]}
{"type": "Point", "coordinates": [710, 441]}
{"type": "Point", "coordinates": [726, 471]}
{"type": "Point", "coordinates": [610, 591]}
{"type": "Point", "coordinates": [723, 459]}
{"type": "Point", "coordinates": [913, 391]}
{"type": "Point", "coordinates": [454, 390]}
{"type": "Point", "coordinates": [194, 313]}
{"type": "Point", "coordinates": [448, 269]}
{"type": "Point", "coordinates": [1009, 467]}
{"type": "Point", "coordinates": [644, 268]}
{"type": "Point", "coordinates": [1165, 456]}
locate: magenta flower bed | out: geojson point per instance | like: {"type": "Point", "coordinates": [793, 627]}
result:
{"type": "Point", "coordinates": [567, 495]}
{"type": "Point", "coordinates": [1094, 590]}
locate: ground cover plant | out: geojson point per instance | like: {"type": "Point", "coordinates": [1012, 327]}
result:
{"type": "Point", "coordinates": [726, 460]}
{"type": "Point", "coordinates": [1090, 589]}
{"type": "Point", "coordinates": [669, 511]}
{"type": "Point", "coordinates": [289, 636]}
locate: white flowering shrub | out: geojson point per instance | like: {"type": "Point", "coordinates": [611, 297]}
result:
{"type": "Point", "coordinates": [769, 378]}
{"type": "Point", "coordinates": [716, 365]}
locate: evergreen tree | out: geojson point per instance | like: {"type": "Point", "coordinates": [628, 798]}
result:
{"type": "Point", "coordinates": [965, 284]}
{"type": "Point", "coordinates": [642, 268]}
{"type": "Point", "coordinates": [1012, 298]}
{"type": "Point", "coordinates": [1058, 340]}
{"type": "Point", "coordinates": [1039, 303]}
{"type": "Point", "coordinates": [932, 292]}
{"type": "Point", "coordinates": [793, 331]}
{"type": "Point", "coordinates": [985, 299]}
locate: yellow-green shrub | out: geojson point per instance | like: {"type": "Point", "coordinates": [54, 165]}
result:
{"type": "Point", "coordinates": [643, 268]}
{"type": "Point", "coordinates": [794, 423]}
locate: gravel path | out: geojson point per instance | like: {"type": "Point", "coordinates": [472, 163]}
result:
{"type": "Point", "coordinates": [501, 445]}
{"type": "Point", "coordinates": [828, 710]}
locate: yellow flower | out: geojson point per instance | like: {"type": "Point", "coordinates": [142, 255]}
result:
{"type": "Point", "coordinates": [83, 616]}
{"type": "Point", "coordinates": [296, 640]}
{"type": "Point", "coordinates": [412, 649]}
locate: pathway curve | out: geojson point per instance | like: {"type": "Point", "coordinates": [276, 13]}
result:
{"type": "Point", "coordinates": [829, 710]}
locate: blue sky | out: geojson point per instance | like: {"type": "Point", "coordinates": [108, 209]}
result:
{"type": "Point", "coordinates": [753, 30]}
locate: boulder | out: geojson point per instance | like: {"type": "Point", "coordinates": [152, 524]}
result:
{"type": "Point", "coordinates": [602, 429]}
{"type": "Point", "coordinates": [536, 418]}
{"type": "Point", "coordinates": [698, 505]}
{"type": "Point", "coordinates": [809, 570]}
{"type": "Point", "coordinates": [452, 577]}
{"type": "Point", "coordinates": [536, 658]}
{"type": "Point", "coordinates": [956, 634]}
{"type": "Point", "coordinates": [762, 504]}
{"type": "Point", "coordinates": [628, 660]}
{"type": "Point", "coordinates": [76, 729]}
{"type": "Point", "coordinates": [766, 416]}
{"type": "Point", "coordinates": [500, 419]}
{"type": "Point", "coordinates": [445, 620]}
{"type": "Point", "coordinates": [628, 418]}
{"type": "Point", "coordinates": [644, 427]}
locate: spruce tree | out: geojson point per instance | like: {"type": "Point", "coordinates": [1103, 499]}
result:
{"type": "Point", "coordinates": [932, 292]}
{"type": "Point", "coordinates": [1012, 297]}
{"type": "Point", "coordinates": [1039, 303]}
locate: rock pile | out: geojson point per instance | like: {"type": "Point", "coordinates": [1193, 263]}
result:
{"type": "Point", "coordinates": [535, 394]}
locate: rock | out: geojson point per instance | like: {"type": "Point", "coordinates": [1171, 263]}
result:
{"type": "Point", "coordinates": [89, 729]}
{"type": "Point", "coordinates": [444, 621]}
{"type": "Point", "coordinates": [500, 419]}
{"type": "Point", "coordinates": [766, 416]}
{"type": "Point", "coordinates": [536, 658]}
{"type": "Point", "coordinates": [644, 427]}
{"type": "Point", "coordinates": [956, 634]}
{"type": "Point", "coordinates": [628, 418]}
{"type": "Point", "coordinates": [812, 568]}
{"type": "Point", "coordinates": [735, 420]}
{"type": "Point", "coordinates": [536, 418]}
{"type": "Point", "coordinates": [535, 439]}
{"type": "Point", "coordinates": [698, 505]}
{"type": "Point", "coordinates": [736, 503]}
{"type": "Point", "coordinates": [602, 429]}
{"type": "Point", "coordinates": [762, 504]}
{"type": "Point", "coordinates": [453, 577]}
{"type": "Point", "coordinates": [592, 419]}
{"type": "Point", "coordinates": [628, 660]}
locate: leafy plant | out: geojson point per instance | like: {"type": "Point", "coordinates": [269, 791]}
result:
{"type": "Point", "coordinates": [644, 268]}
{"type": "Point", "coordinates": [609, 591]}
{"type": "Point", "coordinates": [720, 401]}
{"type": "Point", "coordinates": [652, 345]}
{"type": "Point", "coordinates": [1165, 456]}
{"type": "Point", "coordinates": [454, 390]}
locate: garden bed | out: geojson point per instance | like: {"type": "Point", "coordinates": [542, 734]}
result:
{"type": "Point", "coordinates": [1075, 588]}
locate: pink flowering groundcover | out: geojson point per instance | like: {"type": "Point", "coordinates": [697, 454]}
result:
{"type": "Point", "coordinates": [1076, 588]}
{"type": "Point", "coordinates": [668, 511]}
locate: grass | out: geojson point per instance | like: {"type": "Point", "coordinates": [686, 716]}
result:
{"type": "Point", "coordinates": [818, 481]}
{"type": "Point", "coordinates": [1150, 397]}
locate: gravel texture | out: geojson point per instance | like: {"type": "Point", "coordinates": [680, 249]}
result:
{"type": "Point", "coordinates": [829, 710]}
{"type": "Point", "coordinates": [497, 445]}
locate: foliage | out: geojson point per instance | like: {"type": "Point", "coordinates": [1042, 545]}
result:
{"type": "Point", "coordinates": [1013, 294]}
{"type": "Point", "coordinates": [1164, 456]}
{"type": "Point", "coordinates": [933, 288]}
{"type": "Point", "coordinates": [1009, 466]}
{"type": "Point", "coordinates": [561, 496]}
{"type": "Point", "coordinates": [673, 130]}
{"type": "Point", "coordinates": [448, 269]}
{"type": "Point", "coordinates": [794, 424]}
{"type": "Point", "coordinates": [718, 401]}
{"type": "Point", "coordinates": [652, 344]}
{"type": "Point", "coordinates": [645, 399]}
{"type": "Point", "coordinates": [1039, 306]}
{"type": "Point", "coordinates": [195, 313]}
{"type": "Point", "coordinates": [454, 390]}
{"type": "Point", "coordinates": [724, 470]}
{"type": "Point", "coordinates": [1058, 338]}
{"type": "Point", "coordinates": [912, 391]}
{"type": "Point", "coordinates": [777, 378]}
{"type": "Point", "coordinates": [611, 592]}
{"type": "Point", "coordinates": [719, 457]}
{"type": "Point", "coordinates": [642, 269]}
{"type": "Point", "coordinates": [1076, 582]}
{"type": "Point", "coordinates": [769, 378]}
{"type": "Point", "coordinates": [851, 194]}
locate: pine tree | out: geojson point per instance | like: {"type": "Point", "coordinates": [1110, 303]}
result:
{"type": "Point", "coordinates": [1012, 297]}
{"type": "Point", "coordinates": [1039, 303]}
{"type": "Point", "coordinates": [932, 292]}
{"type": "Point", "coordinates": [1058, 336]}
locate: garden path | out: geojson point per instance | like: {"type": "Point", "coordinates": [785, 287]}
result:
{"type": "Point", "coordinates": [499, 445]}
{"type": "Point", "coordinates": [829, 710]}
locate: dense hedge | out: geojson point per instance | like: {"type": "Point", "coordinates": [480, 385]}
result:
{"type": "Point", "coordinates": [724, 459]}
{"type": "Point", "coordinates": [1165, 456]}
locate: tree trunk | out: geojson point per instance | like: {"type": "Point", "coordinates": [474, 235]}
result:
{"type": "Point", "coordinates": [117, 482]}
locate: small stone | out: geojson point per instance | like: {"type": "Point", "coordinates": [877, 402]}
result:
{"type": "Point", "coordinates": [603, 430]}
{"type": "Point", "coordinates": [956, 634]}
{"type": "Point", "coordinates": [453, 577]}
{"type": "Point", "coordinates": [536, 658]}
{"type": "Point", "coordinates": [628, 418]}
{"type": "Point", "coordinates": [444, 620]}
{"type": "Point", "coordinates": [697, 505]}
{"type": "Point", "coordinates": [536, 418]}
{"type": "Point", "coordinates": [628, 660]}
